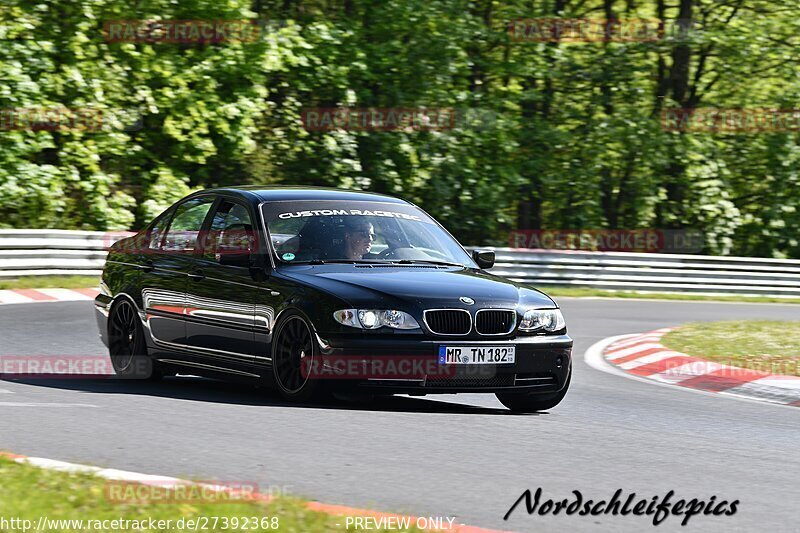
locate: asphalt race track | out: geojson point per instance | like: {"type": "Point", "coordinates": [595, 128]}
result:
{"type": "Point", "coordinates": [459, 455]}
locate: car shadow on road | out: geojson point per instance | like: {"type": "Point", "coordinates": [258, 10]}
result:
{"type": "Point", "coordinates": [201, 389]}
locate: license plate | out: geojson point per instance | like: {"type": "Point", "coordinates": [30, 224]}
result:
{"type": "Point", "coordinates": [476, 355]}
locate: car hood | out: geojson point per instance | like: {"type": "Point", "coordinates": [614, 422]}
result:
{"type": "Point", "coordinates": [417, 287]}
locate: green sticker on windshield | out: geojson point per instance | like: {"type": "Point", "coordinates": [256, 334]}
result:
{"type": "Point", "coordinates": [287, 256]}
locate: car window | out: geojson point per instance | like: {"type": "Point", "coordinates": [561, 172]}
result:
{"type": "Point", "coordinates": [157, 232]}
{"type": "Point", "coordinates": [372, 231]}
{"type": "Point", "coordinates": [285, 235]}
{"type": "Point", "coordinates": [185, 226]}
{"type": "Point", "coordinates": [231, 228]}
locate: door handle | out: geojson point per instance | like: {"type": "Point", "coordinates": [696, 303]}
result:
{"type": "Point", "coordinates": [196, 275]}
{"type": "Point", "coordinates": [148, 266]}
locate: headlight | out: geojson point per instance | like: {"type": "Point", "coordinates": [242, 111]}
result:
{"type": "Point", "coordinates": [375, 318]}
{"type": "Point", "coordinates": [542, 319]}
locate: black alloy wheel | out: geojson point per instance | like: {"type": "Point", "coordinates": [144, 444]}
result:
{"type": "Point", "coordinates": [293, 359]}
{"type": "Point", "coordinates": [126, 344]}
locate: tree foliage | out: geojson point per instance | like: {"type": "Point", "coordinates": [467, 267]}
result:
{"type": "Point", "coordinates": [549, 134]}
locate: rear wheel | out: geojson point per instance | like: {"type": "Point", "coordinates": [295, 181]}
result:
{"type": "Point", "coordinates": [531, 402]}
{"type": "Point", "coordinates": [126, 346]}
{"type": "Point", "coordinates": [293, 356]}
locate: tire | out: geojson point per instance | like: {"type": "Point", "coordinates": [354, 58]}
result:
{"type": "Point", "coordinates": [293, 343]}
{"type": "Point", "coordinates": [532, 402]}
{"type": "Point", "coordinates": [126, 344]}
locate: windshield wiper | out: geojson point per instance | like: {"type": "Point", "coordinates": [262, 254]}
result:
{"type": "Point", "coordinates": [338, 262]}
{"type": "Point", "coordinates": [428, 262]}
{"type": "Point", "coordinates": [377, 262]}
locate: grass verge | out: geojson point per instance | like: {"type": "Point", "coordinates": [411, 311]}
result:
{"type": "Point", "coordinates": [28, 493]}
{"type": "Point", "coordinates": [767, 346]}
{"type": "Point", "coordinates": [580, 292]}
{"type": "Point", "coordinates": [48, 282]}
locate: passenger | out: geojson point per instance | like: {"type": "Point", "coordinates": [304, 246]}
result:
{"type": "Point", "coordinates": [358, 237]}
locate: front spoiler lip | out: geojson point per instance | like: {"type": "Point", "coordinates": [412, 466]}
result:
{"type": "Point", "coordinates": [417, 346]}
{"type": "Point", "coordinates": [419, 386]}
{"type": "Point", "coordinates": [399, 389]}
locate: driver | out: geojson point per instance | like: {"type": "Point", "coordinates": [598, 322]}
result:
{"type": "Point", "coordinates": [358, 237]}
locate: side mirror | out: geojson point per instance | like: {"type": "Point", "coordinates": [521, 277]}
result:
{"type": "Point", "coordinates": [484, 258]}
{"type": "Point", "coordinates": [234, 248]}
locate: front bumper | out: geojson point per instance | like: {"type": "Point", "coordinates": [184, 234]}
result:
{"type": "Point", "coordinates": [542, 364]}
{"type": "Point", "coordinates": [102, 306]}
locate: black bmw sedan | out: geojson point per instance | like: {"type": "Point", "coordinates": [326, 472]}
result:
{"type": "Point", "coordinates": [317, 290]}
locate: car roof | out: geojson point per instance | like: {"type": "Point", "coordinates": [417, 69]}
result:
{"type": "Point", "coordinates": [282, 193]}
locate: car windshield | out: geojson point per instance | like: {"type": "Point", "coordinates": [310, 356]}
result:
{"type": "Point", "coordinates": [358, 231]}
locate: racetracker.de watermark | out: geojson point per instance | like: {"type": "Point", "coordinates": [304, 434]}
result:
{"type": "Point", "coordinates": [72, 367]}
{"type": "Point", "coordinates": [582, 30]}
{"type": "Point", "coordinates": [734, 369]}
{"type": "Point", "coordinates": [32, 366]}
{"type": "Point", "coordinates": [203, 492]}
{"type": "Point", "coordinates": [392, 367]}
{"type": "Point", "coordinates": [64, 119]}
{"type": "Point", "coordinates": [404, 119]}
{"type": "Point", "coordinates": [610, 240]}
{"type": "Point", "coordinates": [731, 120]}
{"type": "Point", "coordinates": [187, 31]}
{"type": "Point", "coordinates": [218, 242]}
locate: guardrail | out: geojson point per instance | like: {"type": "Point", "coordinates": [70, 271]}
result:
{"type": "Point", "coordinates": [52, 252]}
{"type": "Point", "coordinates": [60, 252]}
{"type": "Point", "coordinates": [700, 274]}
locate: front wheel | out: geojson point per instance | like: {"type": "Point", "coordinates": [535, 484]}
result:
{"type": "Point", "coordinates": [531, 402]}
{"type": "Point", "coordinates": [127, 347]}
{"type": "Point", "coordinates": [293, 356]}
